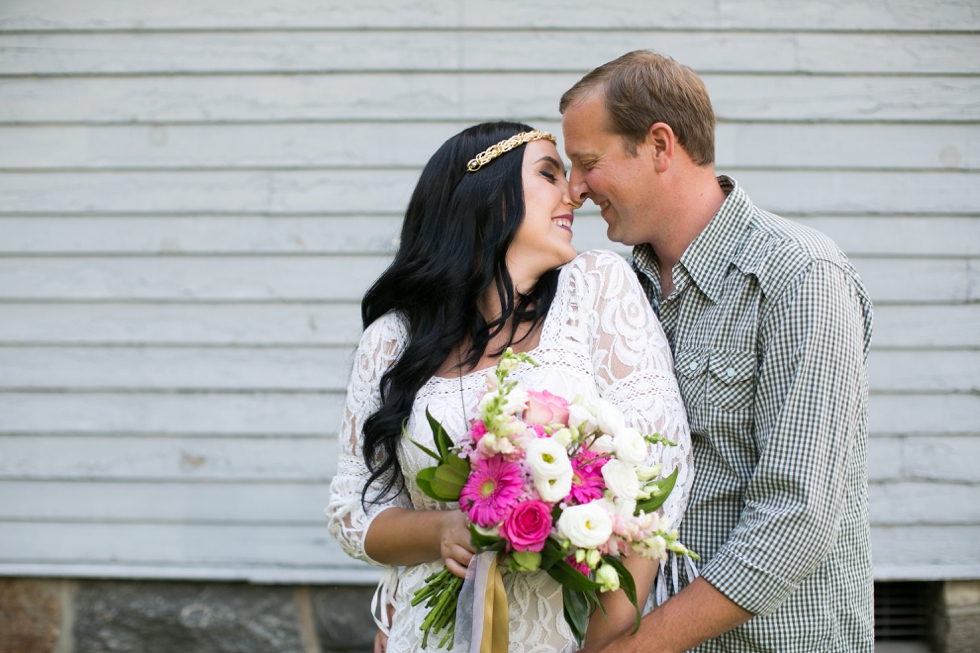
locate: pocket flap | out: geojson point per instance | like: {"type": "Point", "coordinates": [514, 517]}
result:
{"type": "Point", "coordinates": [732, 366]}
{"type": "Point", "coordinates": [689, 362]}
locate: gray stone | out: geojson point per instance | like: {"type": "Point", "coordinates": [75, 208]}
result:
{"type": "Point", "coordinates": [150, 617]}
{"type": "Point", "coordinates": [962, 606]}
{"type": "Point", "coordinates": [343, 618]}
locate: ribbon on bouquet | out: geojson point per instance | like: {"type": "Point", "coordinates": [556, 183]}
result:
{"type": "Point", "coordinates": [482, 624]}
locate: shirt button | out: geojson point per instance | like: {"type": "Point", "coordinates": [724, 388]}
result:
{"type": "Point", "coordinates": [730, 372]}
{"type": "Point", "coordinates": [693, 366]}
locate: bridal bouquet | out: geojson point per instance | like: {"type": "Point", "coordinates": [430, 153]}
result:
{"type": "Point", "coordinates": [548, 485]}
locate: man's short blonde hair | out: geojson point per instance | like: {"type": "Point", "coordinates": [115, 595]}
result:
{"type": "Point", "coordinates": [642, 88]}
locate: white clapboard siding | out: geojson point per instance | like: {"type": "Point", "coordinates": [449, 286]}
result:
{"type": "Point", "coordinates": [195, 195]}
{"type": "Point", "coordinates": [344, 278]}
{"type": "Point", "coordinates": [900, 15]}
{"type": "Point", "coordinates": [456, 96]}
{"type": "Point", "coordinates": [204, 414]}
{"type": "Point", "coordinates": [566, 50]}
{"type": "Point", "coordinates": [874, 146]}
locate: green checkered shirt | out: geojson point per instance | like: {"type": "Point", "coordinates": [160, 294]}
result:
{"type": "Point", "coordinates": [770, 328]}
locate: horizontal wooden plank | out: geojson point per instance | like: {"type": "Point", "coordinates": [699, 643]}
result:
{"type": "Point", "coordinates": [215, 503]}
{"type": "Point", "coordinates": [462, 96]}
{"type": "Point", "coordinates": [923, 503]}
{"type": "Point", "coordinates": [343, 192]}
{"type": "Point", "coordinates": [925, 371]}
{"type": "Point", "coordinates": [176, 368]}
{"type": "Point", "coordinates": [911, 414]}
{"type": "Point", "coordinates": [927, 326]}
{"type": "Point", "coordinates": [254, 278]}
{"type": "Point", "coordinates": [165, 545]}
{"type": "Point", "coordinates": [237, 324]}
{"type": "Point", "coordinates": [274, 459]}
{"type": "Point", "coordinates": [950, 459]}
{"type": "Point", "coordinates": [395, 144]}
{"type": "Point", "coordinates": [856, 235]}
{"type": "Point", "coordinates": [911, 552]}
{"type": "Point", "coordinates": [328, 369]}
{"type": "Point", "coordinates": [269, 278]}
{"type": "Point", "coordinates": [565, 50]}
{"type": "Point", "coordinates": [191, 414]}
{"type": "Point", "coordinates": [201, 235]}
{"type": "Point", "coordinates": [352, 573]}
{"type": "Point", "coordinates": [890, 235]}
{"type": "Point", "coordinates": [695, 14]}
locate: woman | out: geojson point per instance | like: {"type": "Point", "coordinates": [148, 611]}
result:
{"type": "Point", "coordinates": [486, 231]}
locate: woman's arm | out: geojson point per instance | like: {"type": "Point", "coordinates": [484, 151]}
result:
{"type": "Point", "coordinates": [620, 612]}
{"type": "Point", "coordinates": [409, 537]}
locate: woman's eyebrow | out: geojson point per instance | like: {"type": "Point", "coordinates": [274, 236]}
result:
{"type": "Point", "coordinates": [558, 164]}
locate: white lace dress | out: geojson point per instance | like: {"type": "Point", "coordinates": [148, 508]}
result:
{"type": "Point", "coordinates": [599, 339]}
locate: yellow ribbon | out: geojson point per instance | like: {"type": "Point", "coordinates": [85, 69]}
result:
{"type": "Point", "coordinates": [495, 638]}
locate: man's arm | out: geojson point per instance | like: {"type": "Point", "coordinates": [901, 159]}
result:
{"type": "Point", "coordinates": [698, 613]}
{"type": "Point", "coordinates": [811, 388]}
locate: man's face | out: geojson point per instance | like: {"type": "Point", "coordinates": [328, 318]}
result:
{"type": "Point", "coordinates": [604, 171]}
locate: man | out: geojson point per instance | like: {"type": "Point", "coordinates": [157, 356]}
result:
{"type": "Point", "coordinates": [770, 327]}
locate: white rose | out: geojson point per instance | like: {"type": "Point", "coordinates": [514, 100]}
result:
{"type": "Point", "coordinates": [602, 444]}
{"type": "Point", "coordinates": [550, 469]}
{"type": "Point", "coordinates": [586, 526]}
{"type": "Point", "coordinates": [621, 479]}
{"type": "Point", "coordinates": [609, 418]}
{"type": "Point", "coordinates": [630, 446]}
{"type": "Point", "coordinates": [581, 419]}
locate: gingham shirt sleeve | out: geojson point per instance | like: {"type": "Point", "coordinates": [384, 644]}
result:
{"type": "Point", "coordinates": [806, 416]}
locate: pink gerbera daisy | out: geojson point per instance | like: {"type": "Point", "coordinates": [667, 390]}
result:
{"type": "Point", "coordinates": [491, 491]}
{"type": "Point", "coordinates": [587, 482]}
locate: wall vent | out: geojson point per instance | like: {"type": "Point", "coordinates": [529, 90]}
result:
{"type": "Point", "coordinates": [904, 610]}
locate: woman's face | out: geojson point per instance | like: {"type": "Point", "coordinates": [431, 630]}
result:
{"type": "Point", "coordinates": [544, 240]}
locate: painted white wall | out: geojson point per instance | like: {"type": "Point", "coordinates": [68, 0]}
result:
{"type": "Point", "coordinates": [194, 194]}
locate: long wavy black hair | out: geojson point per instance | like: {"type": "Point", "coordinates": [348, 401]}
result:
{"type": "Point", "coordinates": [454, 241]}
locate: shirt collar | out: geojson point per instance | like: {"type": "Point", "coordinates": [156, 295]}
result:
{"type": "Point", "coordinates": [706, 260]}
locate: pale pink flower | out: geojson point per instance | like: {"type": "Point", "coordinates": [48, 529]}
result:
{"type": "Point", "coordinates": [545, 408]}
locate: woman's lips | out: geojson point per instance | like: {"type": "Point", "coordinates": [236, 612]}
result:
{"type": "Point", "coordinates": [564, 221]}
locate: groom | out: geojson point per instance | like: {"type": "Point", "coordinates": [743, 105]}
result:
{"type": "Point", "coordinates": [770, 327]}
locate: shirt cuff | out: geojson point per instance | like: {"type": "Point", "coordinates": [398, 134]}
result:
{"type": "Point", "coordinates": [751, 588]}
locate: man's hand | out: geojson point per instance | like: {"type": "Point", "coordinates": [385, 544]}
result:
{"type": "Point", "coordinates": [698, 613]}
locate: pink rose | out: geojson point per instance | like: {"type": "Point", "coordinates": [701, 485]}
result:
{"type": "Point", "coordinates": [528, 526]}
{"type": "Point", "coordinates": [545, 408]}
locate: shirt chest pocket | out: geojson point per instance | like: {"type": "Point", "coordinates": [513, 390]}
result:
{"type": "Point", "coordinates": [730, 379]}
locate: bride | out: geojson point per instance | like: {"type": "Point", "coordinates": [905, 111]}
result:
{"type": "Point", "coordinates": [486, 262]}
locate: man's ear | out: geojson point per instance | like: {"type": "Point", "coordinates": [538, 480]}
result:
{"type": "Point", "coordinates": [661, 141]}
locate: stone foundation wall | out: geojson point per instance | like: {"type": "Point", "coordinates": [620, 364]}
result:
{"type": "Point", "coordinates": [90, 616]}
{"type": "Point", "coordinates": [960, 620]}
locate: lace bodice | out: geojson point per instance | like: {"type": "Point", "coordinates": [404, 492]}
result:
{"type": "Point", "coordinates": [599, 339]}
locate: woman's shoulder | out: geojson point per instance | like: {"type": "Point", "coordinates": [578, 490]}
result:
{"type": "Point", "coordinates": [385, 337]}
{"type": "Point", "coordinates": [596, 262]}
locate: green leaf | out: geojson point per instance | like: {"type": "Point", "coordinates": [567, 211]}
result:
{"type": "Point", "coordinates": [424, 448]}
{"type": "Point", "coordinates": [663, 489]}
{"type": "Point", "coordinates": [424, 480]}
{"type": "Point", "coordinates": [569, 576]}
{"type": "Point", "coordinates": [481, 541]}
{"type": "Point", "coordinates": [550, 554]}
{"type": "Point", "coordinates": [448, 482]}
{"type": "Point", "coordinates": [577, 612]}
{"type": "Point", "coordinates": [461, 465]}
{"type": "Point", "coordinates": [443, 442]}
{"type": "Point", "coordinates": [626, 583]}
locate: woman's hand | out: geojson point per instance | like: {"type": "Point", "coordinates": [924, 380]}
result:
{"type": "Point", "coordinates": [455, 546]}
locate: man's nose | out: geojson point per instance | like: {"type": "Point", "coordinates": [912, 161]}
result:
{"type": "Point", "coordinates": [578, 189]}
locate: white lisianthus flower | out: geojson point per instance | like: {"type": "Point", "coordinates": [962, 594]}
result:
{"type": "Point", "coordinates": [631, 448]}
{"type": "Point", "coordinates": [582, 419]}
{"type": "Point", "coordinates": [602, 444]}
{"type": "Point", "coordinates": [647, 473]}
{"type": "Point", "coordinates": [608, 417]}
{"type": "Point", "coordinates": [586, 526]}
{"type": "Point", "coordinates": [621, 479]}
{"type": "Point", "coordinates": [550, 469]}
{"type": "Point", "coordinates": [563, 437]}
{"type": "Point", "coordinates": [608, 577]}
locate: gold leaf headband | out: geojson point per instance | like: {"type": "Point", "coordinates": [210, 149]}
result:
{"type": "Point", "coordinates": [492, 152]}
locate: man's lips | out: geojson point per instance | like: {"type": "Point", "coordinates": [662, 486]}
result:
{"type": "Point", "coordinates": [564, 221]}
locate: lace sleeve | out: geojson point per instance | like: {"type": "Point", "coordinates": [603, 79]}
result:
{"type": "Point", "coordinates": [380, 346]}
{"type": "Point", "coordinates": [633, 364]}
